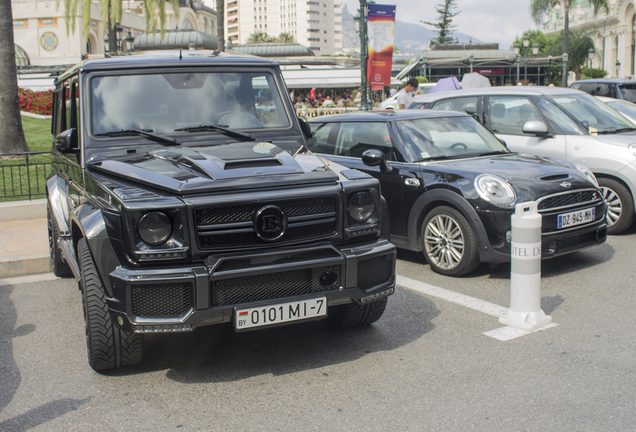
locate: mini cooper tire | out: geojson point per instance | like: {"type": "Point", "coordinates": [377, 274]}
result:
{"type": "Point", "coordinates": [355, 315]}
{"type": "Point", "coordinates": [59, 267]}
{"type": "Point", "coordinates": [108, 346]}
{"type": "Point", "coordinates": [620, 205]}
{"type": "Point", "coordinates": [449, 244]}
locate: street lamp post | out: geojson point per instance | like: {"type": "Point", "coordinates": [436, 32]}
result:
{"type": "Point", "coordinates": [618, 68]}
{"type": "Point", "coordinates": [517, 60]}
{"type": "Point", "coordinates": [360, 23]}
{"type": "Point", "coordinates": [130, 42]}
{"type": "Point", "coordinates": [471, 60]}
{"type": "Point", "coordinates": [564, 79]}
{"type": "Point", "coordinates": [590, 55]}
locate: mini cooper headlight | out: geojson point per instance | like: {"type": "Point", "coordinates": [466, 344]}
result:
{"type": "Point", "coordinates": [361, 206]}
{"type": "Point", "coordinates": [589, 174]}
{"type": "Point", "coordinates": [495, 190]}
{"type": "Point", "coordinates": [154, 228]}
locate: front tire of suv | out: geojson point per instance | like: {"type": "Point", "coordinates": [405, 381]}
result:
{"type": "Point", "coordinates": [108, 346]}
{"type": "Point", "coordinates": [620, 205]}
{"type": "Point", "coordinates": [449, 243]}
{"type": "Point", "coordinates": [58, 266]}
{"type": "Point", "coordinates": [355, 315]}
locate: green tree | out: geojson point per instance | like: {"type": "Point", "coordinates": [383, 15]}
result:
{"type": "Point", "coordinates": [260, 37]}
{"type": "Point", "coordinates": [539, 8]}
{"type": "Point", "coordinates": [285, 38]}
{"type": "Point", "coordinates": [444, 24]}
{"type": "Point", "coordinates": [11, 131]}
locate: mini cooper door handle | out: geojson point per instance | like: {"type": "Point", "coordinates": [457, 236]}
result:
{"type": "Point", "coordinates": [412, 182]}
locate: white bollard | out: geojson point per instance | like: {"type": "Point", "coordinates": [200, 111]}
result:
{"type": "Point", "coordinates": [525, 270]}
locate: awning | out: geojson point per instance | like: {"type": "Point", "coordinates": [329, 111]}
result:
{"type": "Point", "coordinates": [405, 72]}
{"type": "Point", "coordinates": [324, 77]}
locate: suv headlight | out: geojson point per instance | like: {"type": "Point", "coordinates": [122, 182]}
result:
{"type": "Point", "coordinates": [495, 190]}
{"type": "Point", "coordinates": [154, 228]}
{"type": "Point", "coordinates": [589, 174]}
{"type": "Point", "coordinates": [361, 206]}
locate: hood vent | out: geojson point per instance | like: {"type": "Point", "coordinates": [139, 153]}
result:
{"type": "Point", "coordinates": [252, 163]}
{"type": "Point", "coordinates": [555, 177]}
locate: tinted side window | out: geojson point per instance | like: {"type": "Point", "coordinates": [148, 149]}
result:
{"type": "Point", "coordinates": [508, 114]}
{"type": "Point", "coordinates": [356, 138]}
{"type": "Point", "coordinates": [61, 99]}
{"type": "Point", "coordinates": [466, 105]}
{"type": "Point", "coordinates": [320, 142]}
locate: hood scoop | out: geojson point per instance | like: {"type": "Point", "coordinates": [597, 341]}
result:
{"type": "Point", "coordinates": [251, 163]}
{"type": "Point", "coordinates": [555, 177]}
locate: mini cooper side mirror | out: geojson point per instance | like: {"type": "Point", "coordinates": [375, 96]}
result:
{"type": "Point", "coordinates": [536, 128]}
{"type": "Point", "coordinates": [304, 126]}
{"type": "Point", "coordinates": [376, 158]}
{"type": "Point", "coordinates": [66, 142]}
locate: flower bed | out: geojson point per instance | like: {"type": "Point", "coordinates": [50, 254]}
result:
{"type": "Point", "coordinates": [40, 102]}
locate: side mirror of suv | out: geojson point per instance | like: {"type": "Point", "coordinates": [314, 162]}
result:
{"type": "Point", "coordinates": [66, 142]}
{"type": "Point", "coordinates": [536, 128]}
{"type": "Point", "coordinates": [304, 126]}
{"type": "Point", "coordinates": [376, 158]}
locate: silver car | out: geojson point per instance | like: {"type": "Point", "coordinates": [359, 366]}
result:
{"type": "Point", "coordinates": [559, 123]}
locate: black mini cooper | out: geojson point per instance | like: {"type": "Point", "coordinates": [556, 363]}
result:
{"type": "Point", "coordinates": [451, 185]}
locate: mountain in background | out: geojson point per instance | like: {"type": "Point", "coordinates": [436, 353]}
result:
{"type": "Point", "coordinates": [409, 38]}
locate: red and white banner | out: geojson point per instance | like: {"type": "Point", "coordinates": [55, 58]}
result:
{"type": "Point", "coordinates": [381, 33]}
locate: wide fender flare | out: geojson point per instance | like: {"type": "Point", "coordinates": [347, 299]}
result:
{"type": "Point", "coordinates": [56, 195]}
{"type": "Point", "coordinates": [88, 222]}
{"type": "Point", "coordinates": [436, 197]}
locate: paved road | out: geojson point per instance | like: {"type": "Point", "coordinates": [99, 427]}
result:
{"type": "Point", "coordinates": [424, 366]}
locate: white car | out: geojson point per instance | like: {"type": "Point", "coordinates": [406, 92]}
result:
{"type": "Point", "coordinates": [626, 108]}
{"type": "Point", "coordinates": [559, 123]}
{"type": "Point", "coordinates": [391, 103]}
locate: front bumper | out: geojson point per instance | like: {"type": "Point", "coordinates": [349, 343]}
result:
{"type": "Point", "coordinates": [554, 242]}
{"type": "Point", "coordinates": [181, 299]}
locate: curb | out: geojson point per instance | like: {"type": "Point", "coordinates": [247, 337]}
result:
{"type": "Point", "coordinates": [38, 116]}
{"type": "Point", "coordinates": [23, 210]}
{"type": "Point", "coordinates": [23, 266]}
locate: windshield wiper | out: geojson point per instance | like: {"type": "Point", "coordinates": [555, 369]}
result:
{"type": "Point", "coordinates": [230, 132]}
{"type": "Point", "coordinates": [432, 158]}
{"type": "Point", "coordinates": [145, 132]}
{"type": "Point", "coordinates": [490, 153]}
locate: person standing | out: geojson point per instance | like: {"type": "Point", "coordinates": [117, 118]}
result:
{"type": "Point", "coordinates": [312, 96]}
{"type": "Point", "coordinates": [404, 98]}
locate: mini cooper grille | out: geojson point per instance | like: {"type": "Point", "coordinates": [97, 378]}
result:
{"type": "Point", "coordinates": [226, 227]}
{"type": "Point", "coordinates": [576, 240]}
{"type": "Point", "coordinates": [274, 286]}
{"type": "Point", "coordinates": [161, 301]}
{"type": "Point", "coordinates": [375, 271]}
{"type": "Point", "coordinates": [568, 200]}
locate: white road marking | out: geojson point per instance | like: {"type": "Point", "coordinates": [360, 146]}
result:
{"type": "Point", "coordinates": [28, 279]}
{"type": "Point", "coordinates": [502, 333]}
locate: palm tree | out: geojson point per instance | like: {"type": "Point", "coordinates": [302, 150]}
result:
{"type": "Point", "coordinates": [11, 132]}
{"type": "Point", "coordinates": [259, 37]}
{"type": "Point", "coordinates": [220, 24]}
{"type": "Point", "coordinates": [285, 38]}
{"type": "Point", "coordinates": [539, 8]}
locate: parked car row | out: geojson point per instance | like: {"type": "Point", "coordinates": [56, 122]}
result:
{"type": "Point", "coordinates": [558, 123]}
{"type": "Point", "coordinates": [451, 185]}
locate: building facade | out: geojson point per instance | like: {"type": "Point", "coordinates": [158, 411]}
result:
{"type": "Point", "coordinates": [315, 24]}
{"type": "Point", "coordinates": [40, 28]}
{"type": "Point", "coordinates": [614, 33]}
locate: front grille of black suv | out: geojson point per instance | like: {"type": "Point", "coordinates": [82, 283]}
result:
{"type": "Point", "coordinates": [274, 285]}
{"type": "Point", "coordinates": [568, 199]}
{"type": "Point", "coordinates": [226, 227]}
{"type": "Point", "coordinates": [164, 300]}
{"type": "Point", "coordinates": [375, 271]}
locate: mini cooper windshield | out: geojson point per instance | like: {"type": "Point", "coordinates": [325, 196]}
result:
{"type": "Point", "coordinates": [448, 138]}
{"type": "Point", "coordinates": [181, 102]}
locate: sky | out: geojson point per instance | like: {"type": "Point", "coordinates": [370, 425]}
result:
{"type": "Point", "coordinates": [487, 20]}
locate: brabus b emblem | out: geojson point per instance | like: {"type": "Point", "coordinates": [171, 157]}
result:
{"type": "Point", "coordinates": [270, 223]}
{"type": "Point", "coordinates": [566, 185]}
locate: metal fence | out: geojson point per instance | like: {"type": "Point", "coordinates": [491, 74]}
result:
{"type": "Point", "coordinates": [23, 175]}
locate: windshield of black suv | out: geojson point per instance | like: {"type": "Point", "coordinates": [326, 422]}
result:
{"type": "Point", "coordinates": [592, 113]}
{"type": "Point", "coordinates": [628, 92]}
{"type": "Point", "coordinates": [448, 138]}
{"type": "Point", "coordinates": [163, 103]}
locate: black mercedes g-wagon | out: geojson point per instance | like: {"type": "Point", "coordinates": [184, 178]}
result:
{"type": "Point", "coordinates": [183, 195]}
